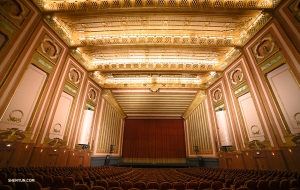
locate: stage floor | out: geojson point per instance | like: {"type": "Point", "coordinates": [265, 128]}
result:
{"type": "Point", "coordinates": [149, 165]}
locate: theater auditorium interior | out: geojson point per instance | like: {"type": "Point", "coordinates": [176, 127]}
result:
{"type": "Point", "coordinates": [149, 94]}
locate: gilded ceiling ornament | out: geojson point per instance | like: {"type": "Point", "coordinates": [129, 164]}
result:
{"type": "Point", "coordinates": [15, 116]}
{"type": "Point", "coordinates": [154, 88]}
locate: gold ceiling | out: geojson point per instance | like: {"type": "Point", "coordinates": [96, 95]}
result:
{"type": "Point", "coordinates": [156, 44]}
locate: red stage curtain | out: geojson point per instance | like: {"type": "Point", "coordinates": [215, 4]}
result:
{"type": "Point", "coordinates": [150, 138]}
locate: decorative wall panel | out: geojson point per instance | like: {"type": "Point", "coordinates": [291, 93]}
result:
{"type": "Point", "coordinates": [250, 117]}
{"type": "Point", "coordinates": [60, 121]}
{"type": "Point", "coordinates": [198, 130]}
{"type": "Point", "coordinates": [287, 92]}
{"type": "Point", "coordinates": [86, 127]}
{"type": "Point", "coordinates": [14, 10]}
{"type": "Point", "coordinates": [223, 130]}
{"type": "Point", "coordinates": [110, 129]}
{"type": "Point", "coordinates": [22, 104]}
{"type": "Point", "coordinates": [49, 49]}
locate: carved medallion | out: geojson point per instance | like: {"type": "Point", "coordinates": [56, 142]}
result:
{"type": "Point", "coordinates": [13, 8]}
{"type": "Point", "coordinates": [264, 48]}
{"type": "Point", "coordinates": [57, 128]}
{"type": "Point", "coordinates": [50, 48]}
{"type": "Point", "coordinates": [217, 95]}
{"type": "Point", "coordinates": [92, 94]}
{"type": "Point", "coordinates": [15, 116]}
{"type": "Point", "coordinates": [75, 75]}
{"type": "Point", "coordinates": [236, 76]}
{"type": "Point", "coordinates": [255, 130]}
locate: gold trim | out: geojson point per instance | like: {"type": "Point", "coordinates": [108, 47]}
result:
{"type": "Point", "coordinates": [295, 115]}
{"type": "Point", "coordinates": [199, 98]}
{"type": "Point", "coordinates": [109, 97]}
{"type": "Point", "coordinates": [15, 119]}
{"type": "Point", "coordinates": [257, 132]}
{"type": "Point", "coordinates": [12, 134]}
{"type": "Point", "coordinates": [231, 75]}
{"type": "Point", "coordinates": [57, 130]}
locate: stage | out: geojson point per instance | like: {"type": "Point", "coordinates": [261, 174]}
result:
{"type": "Point", "coordinates": [150, 165]}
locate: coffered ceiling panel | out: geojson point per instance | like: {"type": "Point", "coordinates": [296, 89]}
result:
{"type": "Point", "coordinates": [156, 44]}
{"type": "Point", "coordinates": [167, 103]}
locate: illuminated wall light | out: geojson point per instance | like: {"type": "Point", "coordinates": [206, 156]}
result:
{"type": "Point", "coordinates": [290, 150]}
{"type": "Point", "coordinates": [41, 150]}
{"type": "Point", "coordinates": [273, 153]}
{"type": "Point", "coordinates": [54, 150]}
{"type": "Point", "coordinates": [247, 153]}
{"type": "Point", "coordinates": [8, 145]}
{"type": "Point", "coordinates": [237, 156]}
{"type": "Point", "coordinates": [73, 154]}
{"type": "Point", "coordinates": [26, 146]}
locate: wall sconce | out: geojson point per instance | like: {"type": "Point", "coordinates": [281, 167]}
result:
{"type": "Point", "coordinates": [290, 150]}
{"type": "Point", "coordinates": [257, 152]}
{"type": "Point", "coordinates": [55, 150]}
{"type": "Point", "coordinates": [41, 150]}
{"type": "Point", "coordinates": [273, 153]}
{"type": "Point", "coordinates": [8, 145]}
{"type": "Point", "coordinates": [26, 146]}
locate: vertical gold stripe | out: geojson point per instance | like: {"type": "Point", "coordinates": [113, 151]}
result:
{"type": "Point", "coordinates": [103, 128]}
{"type": "Point", "coordinates": [207, 129]}
{"type": "Point", "coordinates": [192, 132]}
{"type": "Point", "coordinates": [201, 128]}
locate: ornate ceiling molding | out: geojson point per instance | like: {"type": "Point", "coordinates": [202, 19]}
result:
{"type": "Point", "coordinates": [80, 5]}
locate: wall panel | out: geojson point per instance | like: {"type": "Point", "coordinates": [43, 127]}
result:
{"type": "Point", "coordinates": [199, 131]}
{"type": "Point", "coordinates": [287, 92]}
{"type": "Point", "coordinates": [23, 102]}
{"type": "Point", "coordinates": [251, 119]}
{"type": "Point", "coordinates": [61, 116]}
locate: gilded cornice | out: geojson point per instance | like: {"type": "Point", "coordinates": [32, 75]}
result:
{"type": "Point", "coordinates": [156, 36]}
{"type": "Point", "coordinates": [109, 97]}
{"type": "Point", "coordinates": [57, 5]}
{"type": "Point", "coordinates": [200, 97]}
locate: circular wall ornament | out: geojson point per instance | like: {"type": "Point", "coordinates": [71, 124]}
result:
{"type": "Point", "coordinates": [74, 75]}
{"type": "Point", "coordinates": [217, 95]}
{"type": "Point", "coordinates": [15, 116]}
{"type": "Point", "coordinates": [255, 130]}
{"type": "Point", "coordinates": [236, 76]}
{"type": "Point", "coordinates": [92, 94]}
